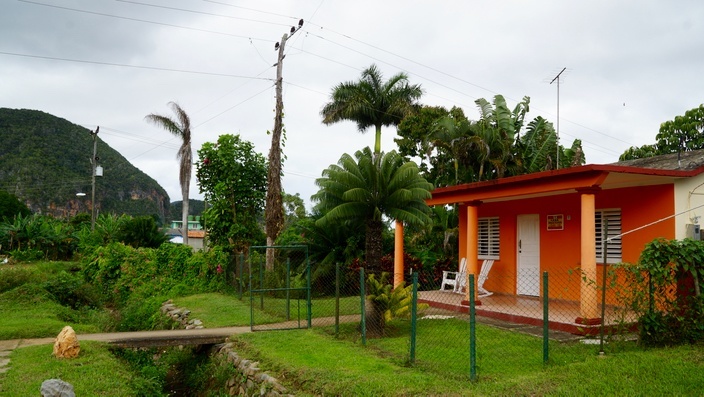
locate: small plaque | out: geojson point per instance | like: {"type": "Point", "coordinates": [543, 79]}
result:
{"type": "Point", "coordinates": [556, 222]}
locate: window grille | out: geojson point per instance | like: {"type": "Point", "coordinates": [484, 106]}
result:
{"type": "Point", "coordinates": [489, 241]}
{"type": "Point", "coordinates": [613, 218]}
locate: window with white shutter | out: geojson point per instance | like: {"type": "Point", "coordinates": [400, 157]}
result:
{"type": "Point", "coordinates": [489, 238]}
{"type": "Point", "coordinates": [608, 226]}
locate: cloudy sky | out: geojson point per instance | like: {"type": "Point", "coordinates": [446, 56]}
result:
{"type": "Point", "coordinates": [630, 65]}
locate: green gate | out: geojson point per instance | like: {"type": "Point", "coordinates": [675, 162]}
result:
{"type": "Point", "coordinates": [279, 285]}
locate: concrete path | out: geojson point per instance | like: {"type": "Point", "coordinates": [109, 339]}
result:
{"type": "Point", "coordinates": [176, 337]}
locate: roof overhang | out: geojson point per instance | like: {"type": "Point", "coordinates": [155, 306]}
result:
{"type": "Point", "coordinates": [557, 182]}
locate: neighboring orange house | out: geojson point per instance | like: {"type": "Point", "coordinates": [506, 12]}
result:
{"type": "Point", "coordinates": [554, 221]}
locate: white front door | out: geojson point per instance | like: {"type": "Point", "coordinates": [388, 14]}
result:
{"type": "Point", "coordinates": [528, 261]}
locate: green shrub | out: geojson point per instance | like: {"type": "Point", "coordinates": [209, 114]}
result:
{"type": "Point", "coordinates": [27, 255]}
{"type": "Point", "coordinates": [13, 277]}
{"type": "Point", "coordinates": [70, 290]}
{"type": "Point", "coordinates": [664, 291]}
{"type": "Point", "coordinates": [141, 231]}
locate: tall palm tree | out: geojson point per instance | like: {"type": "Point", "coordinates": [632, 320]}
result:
{"type": "Point", "coordinates": [372, 102]}
{"type": "Point", "coordinates": [181, 127]}
{"type": "Point", "coordinates": [368, 188]}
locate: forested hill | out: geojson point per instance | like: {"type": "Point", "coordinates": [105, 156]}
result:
{"type": "Point", "coordinates": [45, 161]}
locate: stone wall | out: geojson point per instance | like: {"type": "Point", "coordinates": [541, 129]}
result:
{"type": "Point", "coordinates": [249, 380]}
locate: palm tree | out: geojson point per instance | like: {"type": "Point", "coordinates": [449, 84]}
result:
{"type": "Point", "coordinates": [372, 102]}
{"type": "Point", "coordinates": [181, 127]}
{"type": "Point", "coordinates": [368, 188]}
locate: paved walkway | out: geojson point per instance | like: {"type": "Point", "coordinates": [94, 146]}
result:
{"type": "Point", "coordinates": [131, 339]}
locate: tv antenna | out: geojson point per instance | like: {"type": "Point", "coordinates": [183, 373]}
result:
{"type": "Point", "coordinates": [557, 133]}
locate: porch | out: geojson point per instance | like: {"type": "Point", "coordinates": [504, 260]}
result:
{"type": "Point", "coordinates": [526, 310]}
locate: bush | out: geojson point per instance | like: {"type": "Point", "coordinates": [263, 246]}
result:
{"type": "Point", "coordinates": [27, 255]}
{"type": "Point", "coordinates": [70, 290]}
{"type": "Point", "coordinates": [663, 290]}
{"type": "Point", "coordinates": [11, 278]}
{"type": "Point", "coordinates": [141, 231]}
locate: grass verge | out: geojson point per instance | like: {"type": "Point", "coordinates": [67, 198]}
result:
{"type": "Point", "coordinates": [95, 372]}
{"type": "Point", "coordinates": [314, 362]}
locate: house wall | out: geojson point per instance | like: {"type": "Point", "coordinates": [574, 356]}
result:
{"type": "Point", "coordinates": [560, 249]}
{"type": "Point", "coordinates": [689, 196]}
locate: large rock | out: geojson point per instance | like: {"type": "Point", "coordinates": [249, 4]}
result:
{"type": "Point", "coordinates": [66, 344]}
{"type": "Point", "coordinates": [56, 388]}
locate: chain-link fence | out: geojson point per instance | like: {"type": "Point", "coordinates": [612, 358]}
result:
{"type": "Point", "coordinates": [514, 321]}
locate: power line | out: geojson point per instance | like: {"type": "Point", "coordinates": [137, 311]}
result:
{"type": "Point", "coordinates": [133, 66]}
{"type": "Point", "coordinates": [200, 12]}
{"type": "Point", "coordinates": [139, 20]}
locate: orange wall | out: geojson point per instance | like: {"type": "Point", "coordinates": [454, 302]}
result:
{"type": "Point", "coordinates": [560, 250]}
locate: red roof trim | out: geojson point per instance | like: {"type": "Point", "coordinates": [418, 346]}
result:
{"type": "Point", "coordinates": [572, 171]}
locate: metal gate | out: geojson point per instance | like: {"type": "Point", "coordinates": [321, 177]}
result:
{"type": "Point", "coordinates": [279, 285]}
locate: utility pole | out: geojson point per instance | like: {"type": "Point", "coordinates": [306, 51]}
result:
{"type": "Point", "coordinates": [94, 164]}
{"type": "Point", "coordinates": [274, 204]}
{"type": "Point", "coordinates": [557, 157]}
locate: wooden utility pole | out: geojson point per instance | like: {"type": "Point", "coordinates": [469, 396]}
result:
{"type": "Point", "coordinates": [94, 164]}
{"type": "Point", "coordinates": [274, 204]}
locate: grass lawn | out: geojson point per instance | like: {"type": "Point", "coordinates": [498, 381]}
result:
{"type": "Point", "coordinates": [508, 364]}
{"type": "Point", "coordinates": [218, 310]}
{"type": "Point", "coordinates": [95, 372]}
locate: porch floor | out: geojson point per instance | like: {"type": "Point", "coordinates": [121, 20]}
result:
{"type": "Point", "coordinates": [519, 309]}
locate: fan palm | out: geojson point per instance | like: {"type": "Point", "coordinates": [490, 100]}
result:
{"type": "Point", "coordinates": [372, 102]}
{"type": "Point", "coordinates": [368, 187]}
{"type": "Point", "coordinates": [180, 127]}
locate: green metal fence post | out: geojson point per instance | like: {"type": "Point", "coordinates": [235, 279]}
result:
{"type": "Point", "coordinates": [546, 319]}
{"type": "Point", "coordinates": [240, 279]}
{"type": "Point", "coordinates": [337, 300]}
{"type": "Point", "coordinates": [309, 302]}
{"type": "Point", "coordinates": [472, 333]}
{"type": "Point", "coordinates": [261, 284]}
{"type": "Point", "coordinates": [251, 295]}
{"type": "Point", "coordinates": [414, 316]}
{"type": "Point", "coordinates": [288, 289]}
{"type": "Point", "coordinates": [363, 296]}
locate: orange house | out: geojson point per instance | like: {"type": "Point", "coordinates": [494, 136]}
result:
{"type": "Point", "coordinates": [578, 218]}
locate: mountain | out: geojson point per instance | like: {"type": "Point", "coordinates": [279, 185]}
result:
{"type": "Point", "coordinates": [45, 162]}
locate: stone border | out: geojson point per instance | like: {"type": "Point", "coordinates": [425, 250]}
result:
{"type": "Point", "coordinates": [180, 315]}
{"type": "Point", "coordinates": [250, 380]}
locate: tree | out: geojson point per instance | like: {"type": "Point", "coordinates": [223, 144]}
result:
{"type": "Point", "coordinates": [368, 188]}
{"type": "Point", "coordinates": [372, 102]}
{"type": "Point", "coordinates": [435, 136]}
{"type": "Point", "coordinates": [684, 133]}
{"type": "Point", "coordinates": [180, 127]}
{"type": "Point", "coordinates": [498, 127]}
{"type": "Point", "coordinates": [10, 206]}
{"type": "Point", "coordinates": [232, 176]}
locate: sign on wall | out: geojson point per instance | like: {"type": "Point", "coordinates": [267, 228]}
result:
{"type": "Point", "coordinates": [556, 222]}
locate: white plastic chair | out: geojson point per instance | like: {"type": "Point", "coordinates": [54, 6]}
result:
{"type": "Point", "coordinates": [483, 275]}
{"type": "Point", "coordinates": [455, 279]}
